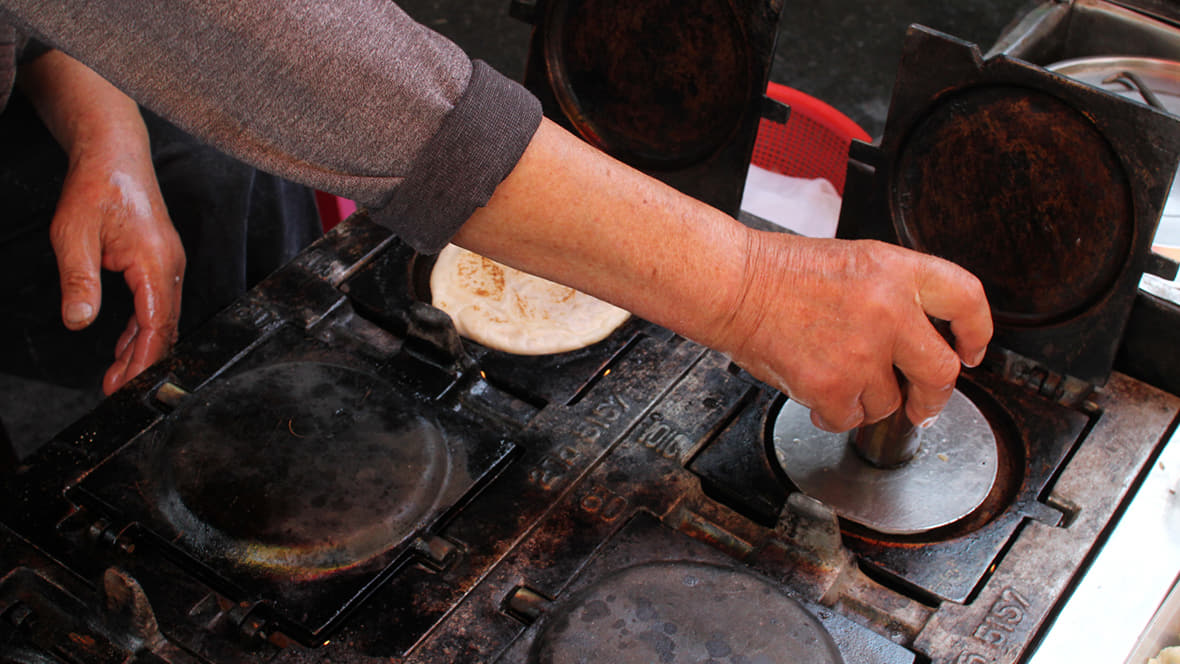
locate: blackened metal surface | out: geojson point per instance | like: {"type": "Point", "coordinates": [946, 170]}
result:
{"type": "Point", "coordinates": [1041, 205]}
{"type": "Point", "coordinates": [660, 457]}
{"type": "Point", "coordinates": [1149, 352]}
{"type": "Point", "coordinates": [647, 451]}
{"type": "Point", "coordinates": [736, 452]}
{"type": "Point", "coordinates": [300, 480]}
{"type": "Point", "coordinates": [644, 545]}
{"type": "Point", "coordinates": [675, 610]}
{"type": "Point", "coordinates": [393, 287]}
{"type": "Point", "coordinates": [978, 164]}
{"type": "Point", "coordinates": [1035, 437]}
{"type": "Point", "coordinates": [1036, 569]}
{"type": "Point", "coordinates": [299, 469]}
{"type": "Point", "coordinates": [677, 93]}
{"type": "Point", "coordinates": [673, 90]}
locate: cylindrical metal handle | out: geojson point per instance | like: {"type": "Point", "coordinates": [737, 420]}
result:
{"type": "Point", "coordinates": [891, 442]}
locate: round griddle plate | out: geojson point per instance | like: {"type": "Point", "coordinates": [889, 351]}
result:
{"type": "Point", "coordinates": [300, 468]}
{"type": "Point", "coordinates": [950, 477]}
{"type": "Point", "coordinates": [661, 84]}
{"type": "Point", "coordinates": [1021, 189]}
{"type": "Point", "coordinates": [684, 612]}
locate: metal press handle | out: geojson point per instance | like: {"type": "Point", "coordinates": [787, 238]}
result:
{"type": "Point", "coordinates": [891, 442]}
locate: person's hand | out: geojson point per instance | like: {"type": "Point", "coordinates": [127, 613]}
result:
{"type": "Point", "coordinates": [111, 214]}
{"type": "Point", "coordinates": [826, 322]}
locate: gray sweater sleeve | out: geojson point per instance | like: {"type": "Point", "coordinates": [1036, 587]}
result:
{"type": "Point", "coordinates": [347, 96]}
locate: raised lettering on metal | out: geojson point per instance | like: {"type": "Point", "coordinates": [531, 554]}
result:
{"type": "Point", "coordinates": [663, 439]}
{"type": "Point", "coordinates": [1002, 618]}
{"type": "Point", "coordinates": [601, 417]}
{"type": "Point", "coordinates": [552, 468]}
{"type": "Point", "coordinates": [604, 503]}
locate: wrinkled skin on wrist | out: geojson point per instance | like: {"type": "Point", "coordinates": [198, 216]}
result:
{"type": "Point", "coordinates": [826, 322]}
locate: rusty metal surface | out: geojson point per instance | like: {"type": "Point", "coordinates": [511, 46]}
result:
{"type": "Point", "coordinates": [672, 610]}
{"type": "Point", "coordinates": [1040, 201]}
{"type": "Point", "coordinates": [678, 94]}
{"type": "Point", "coordinates": [673, 93]}
{"type": "Point", "coordinates": [1032, 576]}
{"type": "Point", "coordinates": [650, 451]}
{"type": "Point", "coordinates": [1048, 189]}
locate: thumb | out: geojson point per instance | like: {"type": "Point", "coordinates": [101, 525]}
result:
{"type": "Point", "coordinates": [79, 261]}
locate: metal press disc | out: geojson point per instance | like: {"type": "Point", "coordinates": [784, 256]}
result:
{"type": "Point", "coordinates": [950, 477]}
{"type": "Point", "coordinates": [683, 612]}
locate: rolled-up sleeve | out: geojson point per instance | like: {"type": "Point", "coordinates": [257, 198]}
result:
{"type": "Point", "coordinates": [352, 97]}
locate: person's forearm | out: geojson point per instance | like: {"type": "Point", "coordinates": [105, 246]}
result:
{"type": "Point", "coordinates": [826, 321]}
{"type": "Point", "coordinates": [352, 97]}
{"type": "Point", "coordinates": [615, 233]}
{"type": "Point", "coordinates": [82, 110]}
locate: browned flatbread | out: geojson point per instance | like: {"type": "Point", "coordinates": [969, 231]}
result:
{"type": "Point", "coordinates": [516, 312]}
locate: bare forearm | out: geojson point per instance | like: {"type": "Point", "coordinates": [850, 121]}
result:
{"type": "Point", "coordinates": [608, 230]}
{"type": "Point", "coordinates": [82, 110]}
{"type": "Point", "coordinates": [110, 213]}
{"type": "Point", "coordinates": [826, 321]}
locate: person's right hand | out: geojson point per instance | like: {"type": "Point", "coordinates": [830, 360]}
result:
{"type": "Point", "coordinates": [827, 321]}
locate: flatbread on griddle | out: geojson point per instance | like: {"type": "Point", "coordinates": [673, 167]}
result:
{"type": "Point", "coordinates": [516, 312]}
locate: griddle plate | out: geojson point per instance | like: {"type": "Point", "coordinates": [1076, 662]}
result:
{"type": "Point", "coordinates": [1023, 191]}
{"type": "Point", "coordinates": [670, 90]}
{"type": "Point", "coordinates": [1047, 189]}
{"type": "Point", "coordinates": [296, 484]}
{"type": "Point", "coordinates": [300, 469]}
{"type": "Point", "coordinates": [683, 611]}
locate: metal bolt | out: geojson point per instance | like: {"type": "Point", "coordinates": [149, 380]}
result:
{"type": "Point", "coordinates": [439, 552]}
{"type": "Point", "coordinates": [170, 394]}
{"type": "Point", "coordinates": [526, 603]}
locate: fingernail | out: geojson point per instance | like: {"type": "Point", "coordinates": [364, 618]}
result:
{"type": "Point", "coordinates": [78, 313]}
{"type": "Point", "coordinates": [928, 422]}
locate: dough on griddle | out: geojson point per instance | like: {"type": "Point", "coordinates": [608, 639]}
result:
{"type": "Point", "coordinates": [1167, 656]}
{"type": "Point", "coordinates": [516, 312]}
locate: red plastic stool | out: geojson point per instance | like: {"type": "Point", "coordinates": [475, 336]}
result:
{"type": "Point", "coordinates": [333, 209]}
{"type": "Point", "coordinates": [812, 144]}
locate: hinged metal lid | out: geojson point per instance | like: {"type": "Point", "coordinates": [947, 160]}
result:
{"type": "Point", "coordinates": [672, 88]}
{"type": "Point", "coordinates": [1045, 188]}
{"type": "Point", "coordinates": [1165, 10]}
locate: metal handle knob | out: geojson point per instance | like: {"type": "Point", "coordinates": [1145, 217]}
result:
{"type": "Point", "coordinates": [891, 442]}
